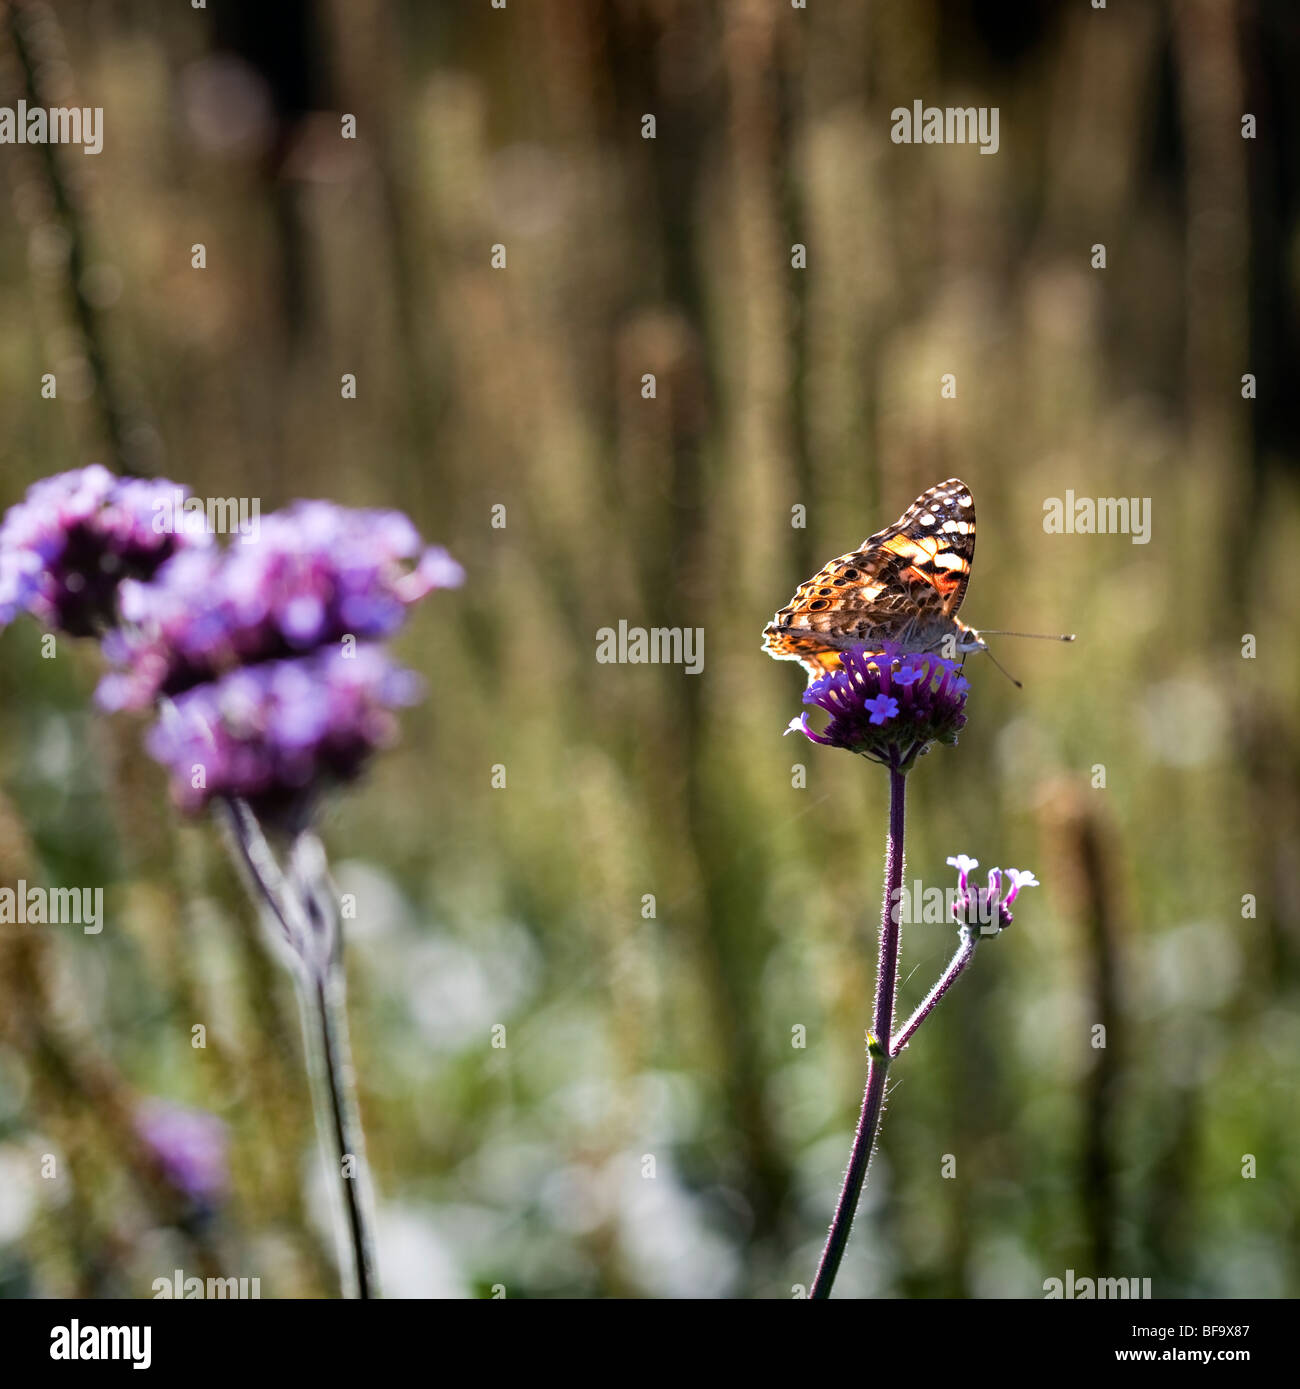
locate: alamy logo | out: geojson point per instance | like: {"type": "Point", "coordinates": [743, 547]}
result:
{"type": "Point", "coordinates": [667, 646]}
{"type": "Point", "coordinates": [945, 125]}
{"type": "Point", "coordinates": [176, 514]}
{"type": "Point", "coordinates": [1101, 1289]}
{"type": "Point", "coordinates": [193, 1288]}
{"type": "Point", "coordinates": [1073, 515]}
{"type": "Point", "coordinates": [57, 125]}
{"type": "Point", "coordinates": [53, 906]}
{"type": "Point", "coordinates": [77, 1342]}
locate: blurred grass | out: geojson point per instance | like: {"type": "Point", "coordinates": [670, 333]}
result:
{"type": "Point", "coordinates": [521, 388]}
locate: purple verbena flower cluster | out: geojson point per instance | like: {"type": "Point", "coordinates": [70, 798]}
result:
{"type": "Point", "coordinates": [66, 548]}
{"type": "Point", "coordinates": [888, 705]}
{"type": "Point", "coordinates": [984, 905]}
{"type": "Point", "coordinates": [317, 573]}
{"type": "Point", "coordinates": [263, 658]}
{"type": "Point", "coordinates": [274, 732]}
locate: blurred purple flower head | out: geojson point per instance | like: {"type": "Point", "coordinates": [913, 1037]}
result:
{"type": "Point", "coordinates": [888, 705]}
{"type": "Point", "coordinates": [316, 574]}
{"type": "Point", "coordinates": [274, 733]}
{"type": "Point", "coordinates": [189, 1146]}
{"type": "Point", "coordinates": [983, 906]}
{"type": "Point", "coordinates": [76, 537]}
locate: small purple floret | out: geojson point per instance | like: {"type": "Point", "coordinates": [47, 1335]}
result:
{"type": "Point", "coordinates": [882, 708]}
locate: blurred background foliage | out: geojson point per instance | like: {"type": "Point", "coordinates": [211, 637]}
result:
{"type": "Point", "coordinates": [776, 388]}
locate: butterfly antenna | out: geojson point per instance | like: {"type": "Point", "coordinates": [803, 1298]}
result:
{"type": "Point", "coordinates": [999, 632]}
{"type": "Point", "coordinates": [1001, 667]}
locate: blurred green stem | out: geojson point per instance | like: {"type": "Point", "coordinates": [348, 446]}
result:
{"type": "Point", "coordinates": [304, 907]}
{"type": "Point", "coordinates": [878, 1047]}
{"type": "Point", "coordinates": [338, 1119]}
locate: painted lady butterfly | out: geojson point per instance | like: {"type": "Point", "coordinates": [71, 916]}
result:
{"type": "Point", "coordinates": [904, 584]}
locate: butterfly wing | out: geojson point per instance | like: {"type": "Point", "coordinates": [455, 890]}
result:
{"type": "Point", "coordinates": [905, 583]}
{"type": "Point", "coordinates": [934, 544]}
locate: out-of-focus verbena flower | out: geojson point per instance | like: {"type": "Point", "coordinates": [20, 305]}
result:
{"type": "Point", "coordinates": [276, 732]}
{"type": "Point", "coordinates": [76, 537]}
{"type": "Point", "coordinates": [316, 574]}
{"type": "Point", "coordinates": [190, 1147]}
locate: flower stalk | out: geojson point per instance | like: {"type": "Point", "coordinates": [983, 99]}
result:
{"type": "Point", "coordinates": [891, 706]}
{"type": "Point", "coordinates": [301, 907]}
{"type": "Point", "coordinates": [964, 955]}
{"type": "Point", "coordinates": [879, 1053]}
{"type": "Point", "coordinates": [338, 1113]}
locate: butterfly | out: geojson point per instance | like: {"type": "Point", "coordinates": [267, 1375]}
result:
{"type": "Point", "coordinates": [903, 584]}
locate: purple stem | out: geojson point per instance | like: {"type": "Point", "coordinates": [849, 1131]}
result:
{"type": "Point", "coordinates": [965, 954]}
{"type": "Point", "coordinates": [878, 1052]}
